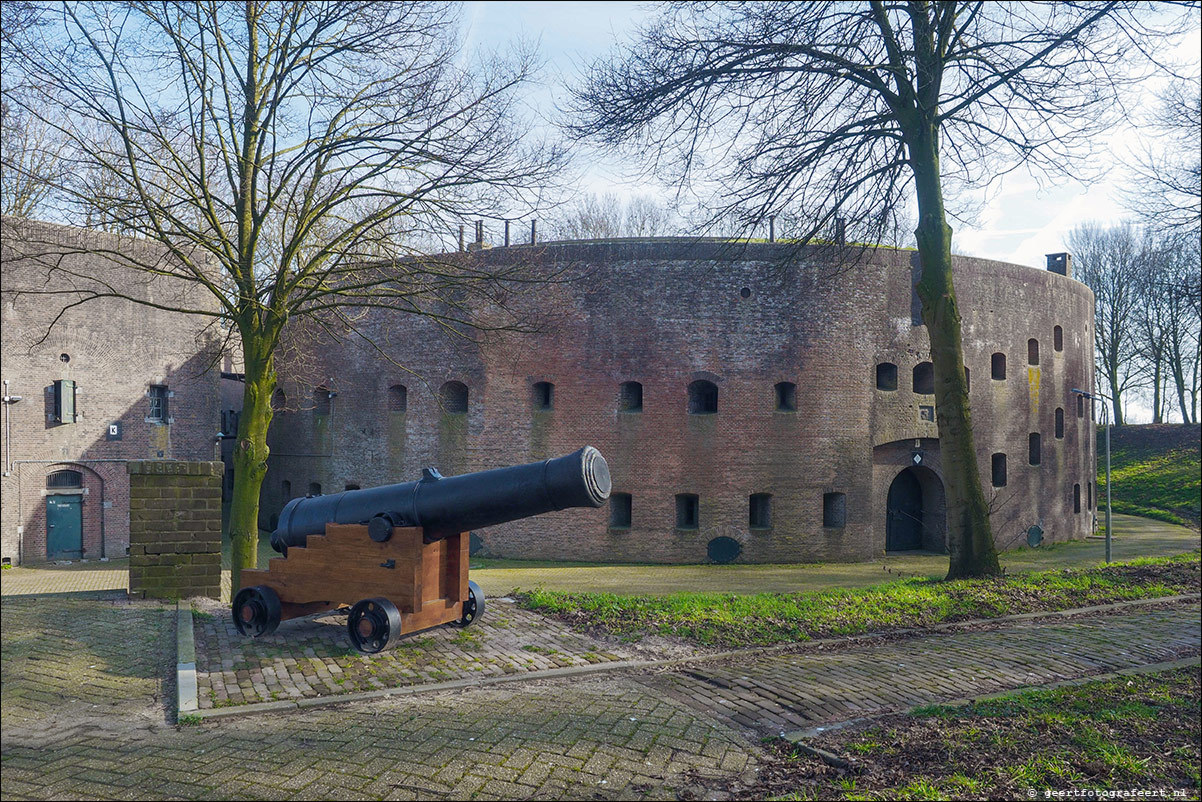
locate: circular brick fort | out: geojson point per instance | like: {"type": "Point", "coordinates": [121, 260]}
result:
{"type": "Point", "coordinates": [756, 402]}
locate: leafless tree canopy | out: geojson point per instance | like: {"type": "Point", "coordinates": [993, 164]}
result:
{"type": "Point", "coordinates": [286, 143]}
{"type": "Point", "coordinates": [802, 106]}
{"type": "Point", "coordinates": [1166, 179]}
{"type": "Point", "coordinates": [608, 216]}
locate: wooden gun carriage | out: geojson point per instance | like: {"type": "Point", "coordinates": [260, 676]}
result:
{"type": "Point", "coordinates": [397, 555]}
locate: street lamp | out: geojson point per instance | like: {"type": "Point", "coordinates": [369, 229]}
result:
{"type": "Point", "coordinates": [1106, 413]}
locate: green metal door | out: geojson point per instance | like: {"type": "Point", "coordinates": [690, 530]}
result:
{"type": "Point", "coordinates": [64, 527]}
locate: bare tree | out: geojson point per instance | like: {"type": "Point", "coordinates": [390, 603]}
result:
{"type": "Point", "coordinates": [277, 150]}
{"type": "Point", "coordinates": [851, 109]}
{"type": "Point", "coordinates": [607, 216]}
{"type": "Point", "coordinates": [1112, 262]}
{"type": "Point", "coordinates": [1165, 188]}
{"type": "Point", "coordinates": [30, 154]}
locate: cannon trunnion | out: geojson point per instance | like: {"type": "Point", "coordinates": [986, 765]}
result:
{"type": "Point", "coordinates": [397, 556]}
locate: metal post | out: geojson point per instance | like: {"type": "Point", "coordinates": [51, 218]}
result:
{"type": "Point", "coordinates": [533, 232]}
{"type": "Point", "coordinates": [772, 229]}
{"type": "Point", "coordinates": [1105, 410]}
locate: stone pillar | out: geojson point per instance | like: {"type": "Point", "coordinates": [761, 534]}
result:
{"type": "Point", "coordinates": [174, 529]}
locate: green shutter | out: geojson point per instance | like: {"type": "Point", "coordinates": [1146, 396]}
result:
{"type": "Point", "coordinates": [64, 401]}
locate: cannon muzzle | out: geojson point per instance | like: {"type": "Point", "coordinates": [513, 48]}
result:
{"type": "Point", "coordinates": [444, 506]}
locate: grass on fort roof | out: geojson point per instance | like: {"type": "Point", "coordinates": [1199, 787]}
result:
{"type": "Point", "coordinates": [736, 620]}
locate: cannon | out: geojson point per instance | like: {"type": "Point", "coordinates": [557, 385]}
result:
{"type": "Point", "coordinates": [397, 555]}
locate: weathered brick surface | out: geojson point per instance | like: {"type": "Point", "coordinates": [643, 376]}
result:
{"type": "Point", "coordinates": [666, 314]}
{"type": "Point", "coordinates": [114, 351]}
{"type": "Point", "coordinates": [174, 529]}
{"type": "Point", "coordinates": [606, 737]}
{"type": "Point", "coordinates": [311, 657]}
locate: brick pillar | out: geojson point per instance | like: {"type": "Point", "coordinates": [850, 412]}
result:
{"type": "Point", "coordinates": [174, 529]}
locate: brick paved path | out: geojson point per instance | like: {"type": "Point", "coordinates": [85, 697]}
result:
{"type": "Point", "coordinates": [311, 657]}
{"type": "Point", "coordinates": [611, 736]}
{"type": "Point", "coordinates": [780, 693]}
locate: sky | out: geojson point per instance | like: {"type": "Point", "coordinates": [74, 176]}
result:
{"type": "Point", "coordinates": [1022, 222]}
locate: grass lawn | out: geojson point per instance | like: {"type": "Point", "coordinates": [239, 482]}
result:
{"type": "Point", "coordinates": [1133, 538]}
{"type": "Point", "coordinates": [1131, 733]}
{"type": "Point", "coordinates": [734, 620]}
{"type": "Point", "coordinates": [1156, 470]}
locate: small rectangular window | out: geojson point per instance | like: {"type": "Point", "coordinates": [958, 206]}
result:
{"type": "Point", "coordinates": [631, 397]}
{"type": "Point", "coordinates": [544, 396]}
{"type": "Point", "coordinates": [158, 403]}
{"type": "Point", "coordinates": [64, 401]}
{"type": "Point", "coordinates": [1034, 457]}
{"type": "Point", "coordinates": [1076, 498]}
{"type": "Point", "coordinates": [1058, 338]}
{"type": "Point", "coordinates": [1059, 423]}
{"type": "Point", "coordinates": [619, 511]}
{"type": "Point", "coordinates": [1080, 406]}
{"type": "Point", "coordinates": [834, 510]}
{"type": "Point", "coordinates": [687, 516]}
{"type": "Point", "coordinates": [786, 397]}
{"type": "Point", "coordinates": [759, 511]}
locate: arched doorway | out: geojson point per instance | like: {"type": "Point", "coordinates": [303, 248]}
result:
{"type": "Point", "coordinates": [904, 518]}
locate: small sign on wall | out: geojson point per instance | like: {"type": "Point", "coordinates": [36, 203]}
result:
{"type": "Point", "coordinates": [114, 431]}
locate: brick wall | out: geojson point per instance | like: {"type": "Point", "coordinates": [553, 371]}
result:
{"type": "Point", "coordinates": [174, 529]}
{"type": "Point", "coordinates": [667, 313]}
{"type": "Point", "coordinates": [114, 350]}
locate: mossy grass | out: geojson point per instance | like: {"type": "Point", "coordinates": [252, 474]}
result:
{"type": "Point", "coordinates": [727, 619]}
{"type": "Point", "coordinates": [1082, 741]}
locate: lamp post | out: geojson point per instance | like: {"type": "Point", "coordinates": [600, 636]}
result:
{"type": "Point", "coordinates": [1106, 414]}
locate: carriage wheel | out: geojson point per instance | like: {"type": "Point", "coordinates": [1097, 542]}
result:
{"type": "Point", "coordinates": [374, 625]}
{"type": "Point", "coordinates": [256, 611]}
{"type": "Point", "coordinates": [473, 605]}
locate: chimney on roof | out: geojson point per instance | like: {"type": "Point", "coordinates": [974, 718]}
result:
{"type": "Point", "coordinates": [1061, 263]}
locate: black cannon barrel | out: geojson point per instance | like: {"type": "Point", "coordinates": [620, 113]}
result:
{"type": "Point", "coordinates": [445, 506]}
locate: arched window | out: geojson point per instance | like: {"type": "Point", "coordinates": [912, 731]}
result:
{"type": "Point", "coordinates": [630, 397]}
{"type": "Point", "coordinates": [321, 401]}
{"type": "Point", "coordinates": [998, 466]}
{"type": "Point", "coordinates": [886, 376]}
{"type": "Point", "coordinates": [398, 398]}
{"type": "Point", "coordinates": [1034, 456]}
{"type": "Point", "coordinates": [1059, 423]}
{"type": "Point", "coordinates": [786, 397]}
{"type": "Point", "coordinates": [703, 397]}
{"type": "Point", "coordinates": [1032, 351]}
{"type": "Point", "coordinates": [60, 480]}
{"type": "Point", "coordinates": [1058, 338]}
{"type": "Point", "coordinates": [314, 488]}
{"type": "Point", "coordinates": [454, 397]}
{"type": "Point", "coordinates": [1077, 498]}
{"type": "Point", "coordinates": [544, 396]}
{"type": "Point", "coordinates": [997, 364]}
{"type": "Point", "coordinates": [924, 378]}
{"type": "Point", "coordinates": [279, 401]}
{"type": "Point", "coordinates": [286, 491]}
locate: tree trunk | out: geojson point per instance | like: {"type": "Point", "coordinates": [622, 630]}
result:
{"type": "Point", "coordinates": [250, 460]}
{"type": "Point", "coordinates": [1157, 413]}
{"type": "Point", "coordinates": [969, 536]}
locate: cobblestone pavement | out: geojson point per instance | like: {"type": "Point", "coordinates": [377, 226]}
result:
{"type": "Point", "coordinates": [311, 657]}
{"type": "Point", "coordinates": [773, 694]}
{"type": "Point", "coordinates": [77, 577]}
{"type": "Point", "coordinates": [67, 660]}
{"type": "Point", "coordinates": [610, 736]}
